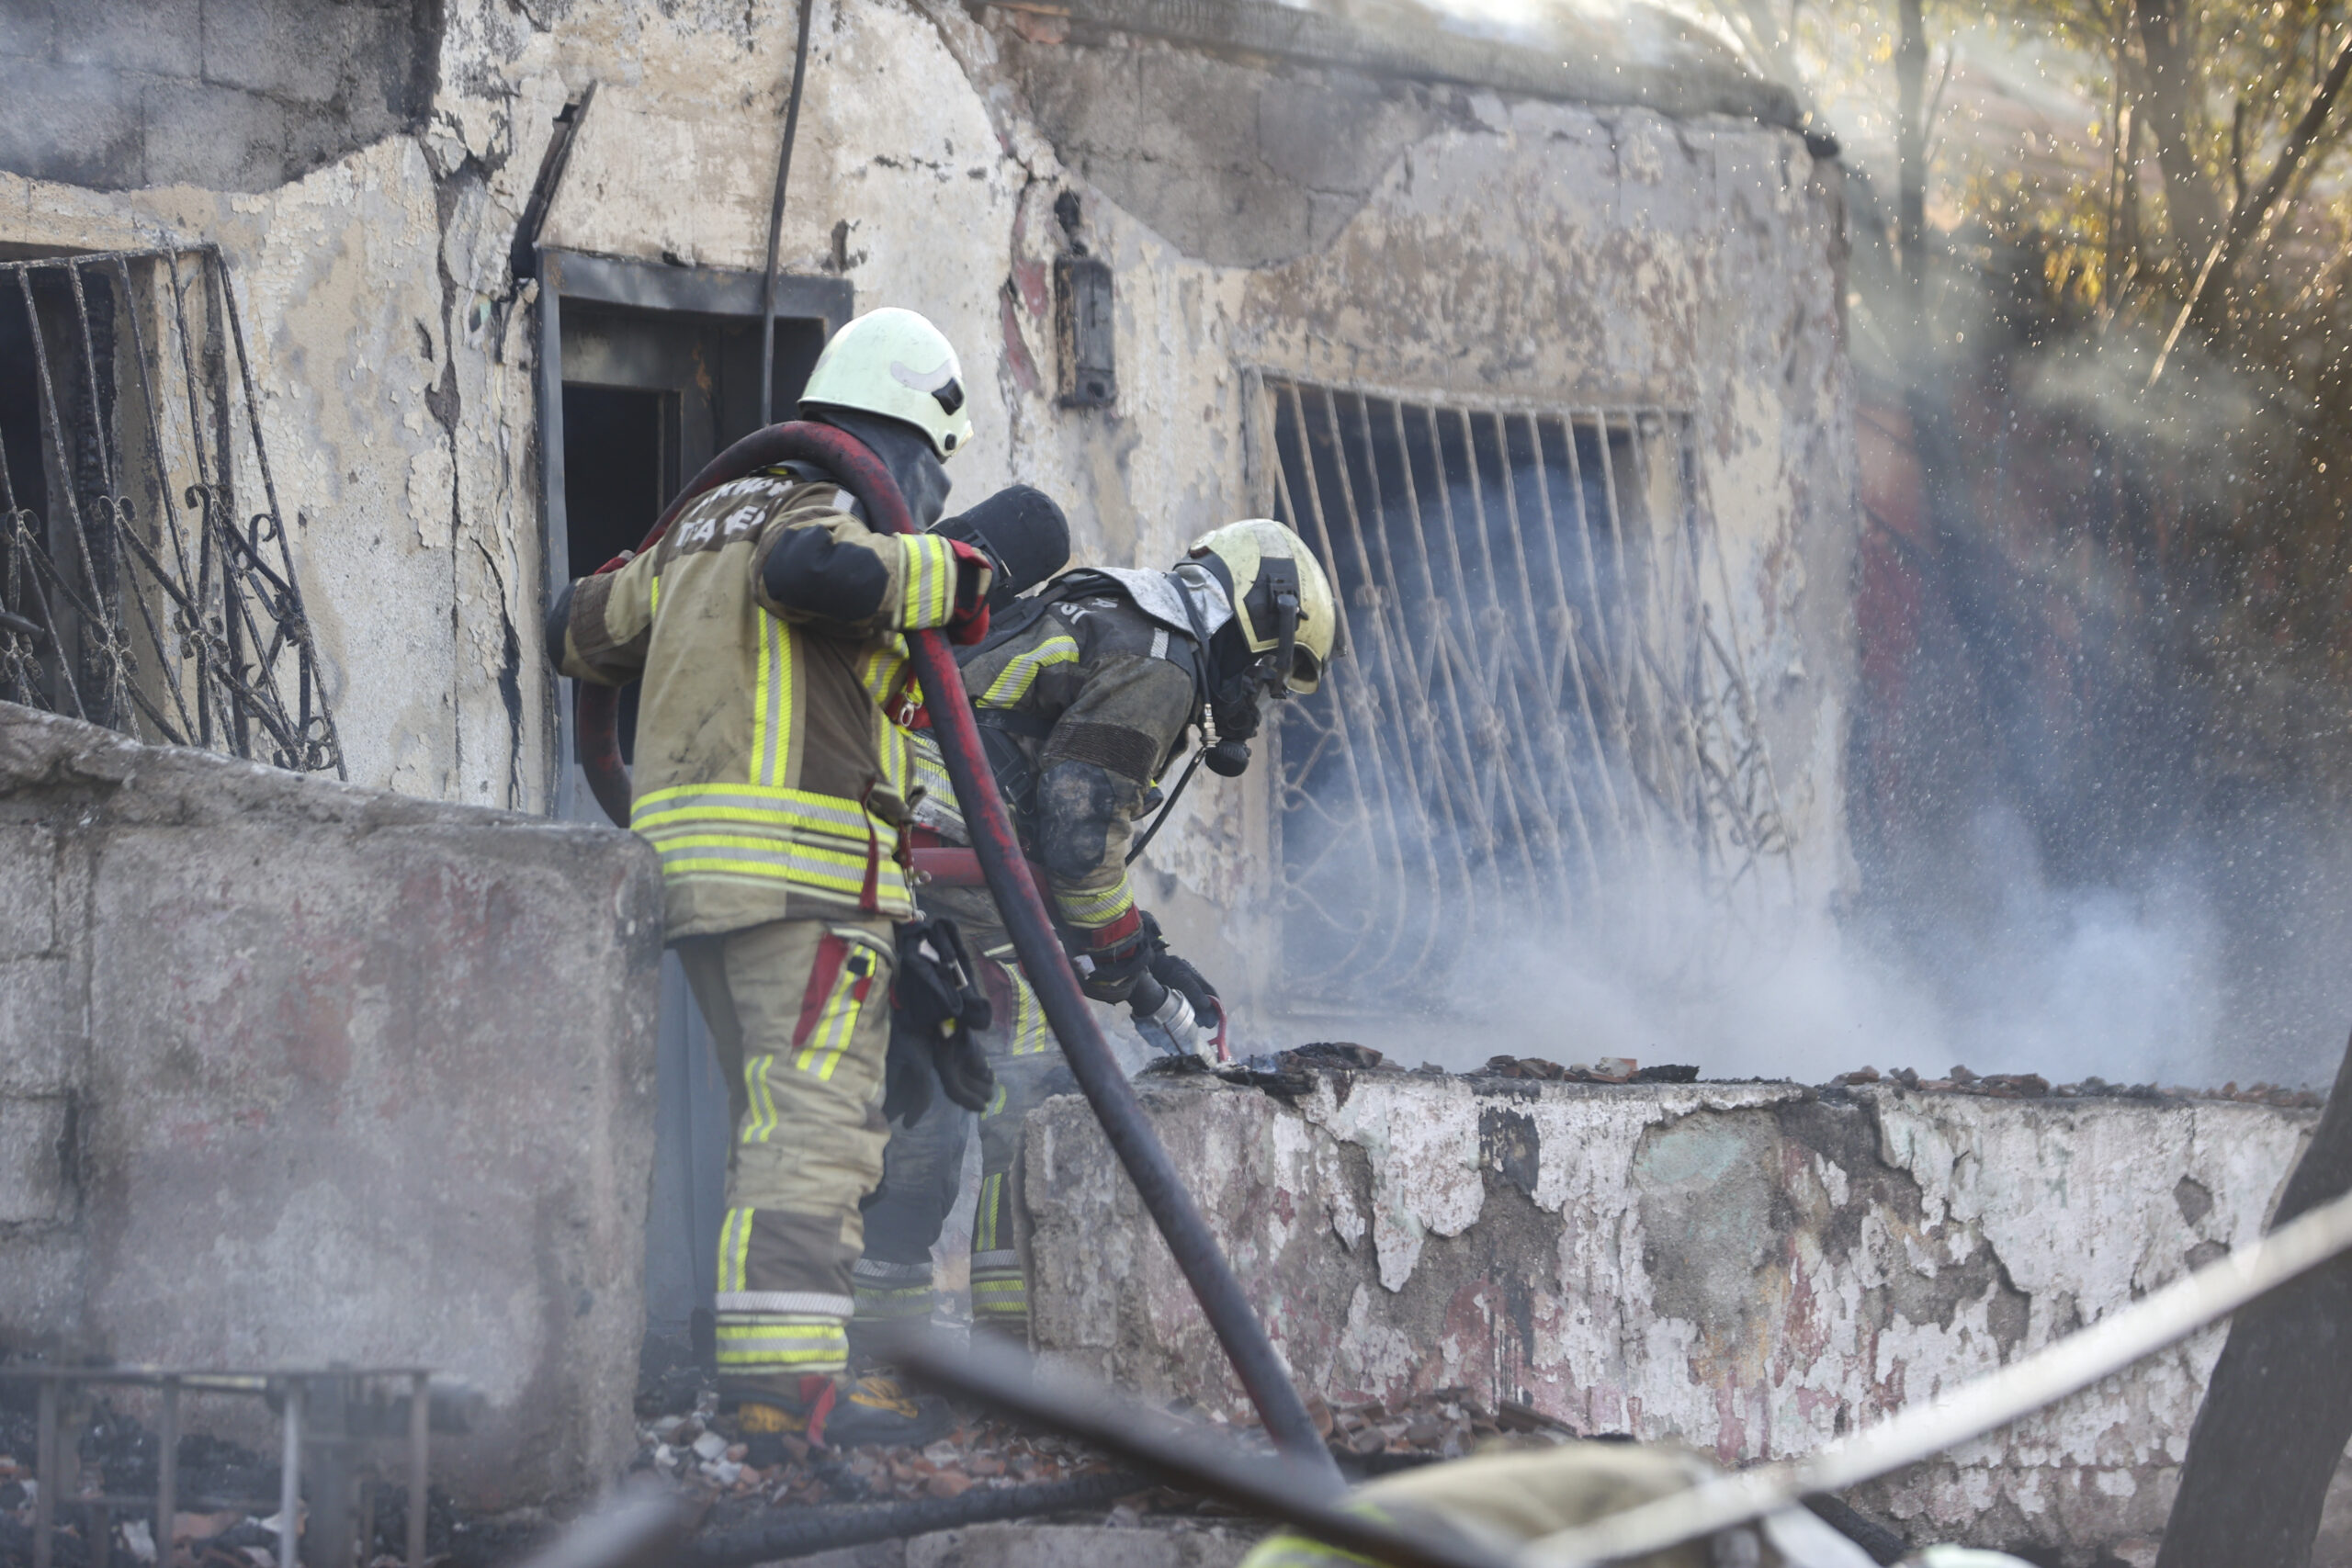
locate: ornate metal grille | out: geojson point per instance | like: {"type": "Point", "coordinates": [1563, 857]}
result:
{"type": "Point", "coordinates": [1541, 697]}
{"type": "Point", "coordinates": [124, 389]}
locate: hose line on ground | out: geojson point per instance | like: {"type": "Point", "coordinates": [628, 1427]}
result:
{"type": "Point", "coordinates": [1106, 1087]}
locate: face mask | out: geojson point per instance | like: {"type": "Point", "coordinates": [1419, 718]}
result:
{"type": "Point", "coordinates": [906, 452]}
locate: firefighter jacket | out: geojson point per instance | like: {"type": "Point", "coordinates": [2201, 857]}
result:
{"type": "Point", "coordinates": [765, 773]}
{"type": "Point", "coordinates": [1084, 695]}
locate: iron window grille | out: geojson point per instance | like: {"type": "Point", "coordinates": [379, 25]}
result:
{"type": "Point", "coordinates": [137, 588]}
{"type": "Point", "coordinates": [1542, 696]}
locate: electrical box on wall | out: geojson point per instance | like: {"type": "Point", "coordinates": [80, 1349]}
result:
{"type": "Point", "coordinates": [1082, 325]}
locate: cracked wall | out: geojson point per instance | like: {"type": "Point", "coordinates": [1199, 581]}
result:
{"type": "Point", "coordinates": [1749, 1269]}
{"type": "Point", "coordinates": [1258, 216]}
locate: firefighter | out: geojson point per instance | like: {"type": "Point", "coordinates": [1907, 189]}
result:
{"type": "Point", "coordinates": [1085, 693]}
{"type": "Point", "coordinates": [764, 626]}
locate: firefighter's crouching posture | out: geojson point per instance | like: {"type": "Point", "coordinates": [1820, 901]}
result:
{"type": "Point", "coordinates": [764, 626]}
{"type": "Point", "coordinates": [1085, 693]}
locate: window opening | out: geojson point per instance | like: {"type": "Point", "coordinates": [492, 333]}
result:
{"type": "Point", "coordinates": [146, 580]}
{"type": "Point", "coordinates": [1541, 694]}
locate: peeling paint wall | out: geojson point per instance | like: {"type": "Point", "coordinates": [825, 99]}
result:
{"type": "Point", "coordinates": [1316, 222]}
{"type": "Point", "coordinates": [1749, 1268]}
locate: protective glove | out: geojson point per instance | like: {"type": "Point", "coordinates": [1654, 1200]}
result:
{"type": "Point", "coordinates": [970, 623]}
{"type": "Point", "coordinates": [939, 1010]}
{"type": "Point", "coordinates": [1179, 975]}
{"type": "Point", "coordinates": [1115, 967]}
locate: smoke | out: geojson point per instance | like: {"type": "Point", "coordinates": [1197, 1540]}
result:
{"type": "Point", "coordinates": [2174, 977]}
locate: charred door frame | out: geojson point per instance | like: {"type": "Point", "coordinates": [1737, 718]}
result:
{"type": "Point", "coordinates": [645, 285]}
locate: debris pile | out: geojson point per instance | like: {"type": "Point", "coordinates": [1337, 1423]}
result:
{"type": "Point", "coordinates": [2033, 1085]}
{"type": "Point", "coordinates": [215, 1525]}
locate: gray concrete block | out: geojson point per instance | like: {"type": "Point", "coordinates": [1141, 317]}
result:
{"type": "Point", "coordinates": [29, 30]}
{"type": "Point", "coordinates": [161, 38]}
{"type": "Point", "coordinates": [219, 138]}
{"type": "Point", "coordinates": [1336, 135]}
{"type": "Point", "coordinates": [1078, 1546]}
{"type": "Point", "coordinates": [76, 124]}
{"type": "Point", "coordinates": [378, 1071]}
{"type": "Point", "coordinates": [35, 1186]}
{"type": "Point", "coordinates": [28, 892]}
{"type": "Point", "coordinates": [293, 49]}
{"type": "Point", "coordinates": [37, 1022]}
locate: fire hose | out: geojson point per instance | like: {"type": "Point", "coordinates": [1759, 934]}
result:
{"type": "Point", "coordinates": [1048, 967]}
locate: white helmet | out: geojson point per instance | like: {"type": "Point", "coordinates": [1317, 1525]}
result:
{"type": "Point", "coordinates": [896, 364]}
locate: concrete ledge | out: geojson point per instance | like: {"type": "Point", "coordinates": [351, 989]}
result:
{"type": "Point", "coordinates": [301, 1073]}
{"type": "Point", "coordinates": [1749, 1269]}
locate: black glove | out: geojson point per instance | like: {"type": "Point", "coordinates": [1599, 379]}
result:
{"type": "Point", "coordinates": [1115, 967]}
{"type": "Point", "coordinates": [937, 1013]}
{"type": "Point", "coordinates": [1179, 975]}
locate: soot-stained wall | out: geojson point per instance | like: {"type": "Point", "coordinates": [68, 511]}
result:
{"type": "Point", "coordinates": [236, 95]}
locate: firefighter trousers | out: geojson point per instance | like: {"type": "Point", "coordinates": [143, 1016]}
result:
{"type": "Point", "coordinates": [799, 1011]}
{"type": "Point", "coordinates": [924, 1167]}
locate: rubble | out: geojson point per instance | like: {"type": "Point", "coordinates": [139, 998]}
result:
{"type": "Point", "coordinates": [2033, 1085]}
{"type": "Point", "coordinates": [119, 1458]}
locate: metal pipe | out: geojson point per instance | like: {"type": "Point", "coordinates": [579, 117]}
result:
{"type": "Point", "coordinates": [45, 1467]}
{"type": "Point", "coordinates": [420, 1428]}
{"type": "Point", "coordinates": [289, 1476]}
{"type": "Point", "coordinates": [167, 1471]}
{"type": "Point", "coordinates": [1129, 1132]}
{"type": "Point", "coordinates": [775, 217]}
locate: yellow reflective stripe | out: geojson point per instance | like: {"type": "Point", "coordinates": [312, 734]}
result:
{"type": "Point", "coordinates": [734, 1248]}
{"type": "Point", "coordinates": [984, 1229]}
{"type": "Point", "coordinates": [931, 771]}
{"type": "Point", "coordinates": [1013, 682]}
{"type": "Point", "coordinates": [749, 856]}
{"type": "Point", "coordinates": [1097, 908]}
{"type": "Point", "coordinates": [782, 1344]}
{"type": "Point", "coordinates": [835, 814]}
{"type": "Point", "coordinates": [761, 1094]}
{"type": "Point", "coordinates": [773, 703]}
{"type": "Point", "coordinates": [879, 667]}
{"type": "Point", "coordinates": [1287, 1550]}
{"type": "Point", "coordinates": [1029, 1034]}
{"type": "Point", "coordinates": [929, 587]}
{"type": "Point", "coordinates": [822, 1051]}
{"type": "Point", "coordinates": [654, 596]}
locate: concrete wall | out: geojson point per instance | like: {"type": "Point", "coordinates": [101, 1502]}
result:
{"type": "Point", "coordinates": [292, 1073]}
{"type": "Point", "coordinates": [236, 95]}
{"type": "Point", "coordinates": [1259, 215]}
{"type": "Point", "coordinates": [1750, 1269]}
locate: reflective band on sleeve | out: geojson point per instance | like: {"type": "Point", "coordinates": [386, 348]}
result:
{"type": "Point", "coordinates": [929, 598]}
{"type": "Point", "coordinates": [1013, 682]}
{"type": "Point", "coordinates": [1092, 911]}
